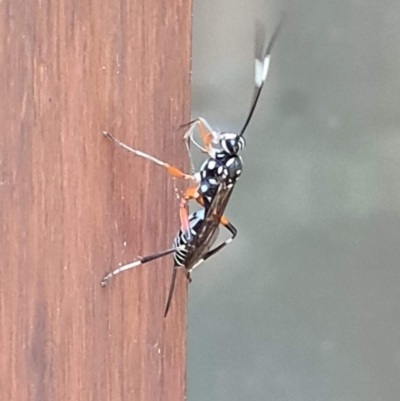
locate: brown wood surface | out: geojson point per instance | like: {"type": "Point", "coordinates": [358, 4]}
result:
{"type": "Point", "coordinates": [73, 205]}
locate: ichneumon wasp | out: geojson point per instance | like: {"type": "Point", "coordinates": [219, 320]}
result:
{"type": "Point", "coordinates": [213, 185]}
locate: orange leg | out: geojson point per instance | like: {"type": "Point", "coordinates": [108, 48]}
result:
{"type": "Point", "coordinates": [190, 193]}
{"type": "Point", "coordinates": [205, 133]}
{"type": "Point", "coordinates": [177, 173]}
{"type": "Point", "coordinates": [205, 136]}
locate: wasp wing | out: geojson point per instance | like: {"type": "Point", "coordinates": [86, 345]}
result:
{"type": "Point", "coordinates": [208, 230]}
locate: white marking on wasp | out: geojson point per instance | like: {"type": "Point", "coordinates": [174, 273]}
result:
{"type": "Point", "coordinates": [211, 165]}
{"type": "Point", "coordinates": [197, 177]}
{"type": "Point", "coordinates": [267, 61]}
{"type": "Point", "coordinates": [230, 162]}
{"type": "Point", "coordinates": [198, 263]}
{"type": "Point", "coordinates": [262, 68]}
{"type": "Point", "coordinates": [228, 135]}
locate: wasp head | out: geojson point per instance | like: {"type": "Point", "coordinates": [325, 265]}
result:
{"type": "Point", "coordinates": [231, 143]}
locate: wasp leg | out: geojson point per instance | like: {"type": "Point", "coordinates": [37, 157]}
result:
{"type": "Point", "coordinates": [190, 193]}
{"type": "Point", "coordinates": [175, 172]}
{"type": "Point", "coordinates": [184, 217]}
{"type": "Point", "coordinates": [187, 144]}
{"type": "Point", "coordinates": [232, 229]}
{"type": "Point", "coordinates": [261, 73]}
{"type": "Point", "coordinates": [139, 262]}
{"type": "Point", "coordinates": [206, 133]}
{"type": "Point", "coordinates": [189, 134]}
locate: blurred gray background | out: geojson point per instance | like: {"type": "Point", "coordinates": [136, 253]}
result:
{"type": "Point", "coordinates": [305, 303]}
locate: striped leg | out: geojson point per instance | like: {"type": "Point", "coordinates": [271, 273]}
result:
{"type": "Point", "coordinates": [232, 229]}
{"type": "Point", "coordinates": [139, 262]}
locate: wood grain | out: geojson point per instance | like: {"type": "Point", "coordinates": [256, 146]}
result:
{"type": "Point", "coordinates": [74, 206]}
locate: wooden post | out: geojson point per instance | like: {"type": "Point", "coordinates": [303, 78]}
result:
{"type": "Point", "coordinates": [73, 206]}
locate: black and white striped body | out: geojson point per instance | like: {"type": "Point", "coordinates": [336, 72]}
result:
{"type": "Point", "coordinates": [182, 255]}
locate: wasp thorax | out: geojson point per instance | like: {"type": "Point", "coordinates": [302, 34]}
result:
{"type": "Point", "coordinates": [231, 143]}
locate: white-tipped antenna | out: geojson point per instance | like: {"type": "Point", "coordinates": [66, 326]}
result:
{"type": "Point", "coordinates": [261, 73]}
{"type": "Point", "coordinates": [262, 68]}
